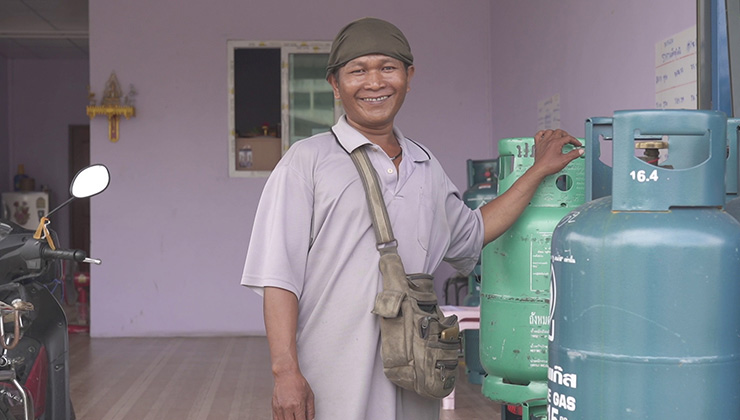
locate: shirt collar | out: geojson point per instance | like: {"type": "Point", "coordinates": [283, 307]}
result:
{"type": "Point", "coordinates": [350, 139]}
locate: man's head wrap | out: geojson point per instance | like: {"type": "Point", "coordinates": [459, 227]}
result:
{"type": "Point", "coordinates": [368, 36]}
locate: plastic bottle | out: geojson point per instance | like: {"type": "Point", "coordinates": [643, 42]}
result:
{"type": "Point", "coordinates": [246, 157]}
{"type": "Point", "coordinates": [19, 177]}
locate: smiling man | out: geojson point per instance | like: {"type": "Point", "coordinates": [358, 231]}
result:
{"type": "Point", "coordinates": [313, 255]}
{"type": "Point", "coordinates": [372, 90]}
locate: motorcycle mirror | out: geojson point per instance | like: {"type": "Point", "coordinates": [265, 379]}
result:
{"type": "Point", "coordinates": [87, 182]}
{"type": "Point", "coordinates": [90, 181]}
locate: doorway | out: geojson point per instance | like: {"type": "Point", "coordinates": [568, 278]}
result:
{"type": "Point", "coordinates": [76, 301]}
{"type": "Point", "coordinates": [79, 212]}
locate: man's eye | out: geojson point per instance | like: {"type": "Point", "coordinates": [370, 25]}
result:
{"type": "Point", "coordinates": [389, 68]}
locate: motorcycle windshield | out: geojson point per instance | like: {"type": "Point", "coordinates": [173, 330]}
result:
{"type": "Point", "coordinates": [5, 230]}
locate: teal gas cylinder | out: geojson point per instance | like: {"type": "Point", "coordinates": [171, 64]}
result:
{"type": "Point", "coordinates": [482, 188]}
{"type": "Point", "coordinates": [732, 205]}
{"type": "Point", "coordinates": [731, 169]}
{"type": "Point", "coordinates": [645, 321]}
{"type": "Point", "coordinates": [516, 280]}
{"type": "Point", "coordinates": [482, 182]}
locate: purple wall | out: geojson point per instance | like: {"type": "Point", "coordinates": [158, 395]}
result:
{"type": "Point", "coordinates": [599, 56]}
{"type": "Point", "coordinates": [173, 228]}
{"type": "Point", "coordinates": [43, 98]}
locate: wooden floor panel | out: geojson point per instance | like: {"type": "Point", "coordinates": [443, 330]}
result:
{"type": "Point", "coordinates": [218, 378]}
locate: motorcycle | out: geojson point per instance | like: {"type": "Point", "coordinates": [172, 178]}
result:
{"type": "Point", "coordinates": [34, 363]}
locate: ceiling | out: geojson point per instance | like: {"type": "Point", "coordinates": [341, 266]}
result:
{"type": "Point", "coordinates": [44, 29]}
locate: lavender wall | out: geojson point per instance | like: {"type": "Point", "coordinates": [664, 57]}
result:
{"type": "Point", "coordinates": [43, 98]}
{"type": "Point", "coordinates": [173, 228]}
{"type": "Point", "coordinates": [599, 56]}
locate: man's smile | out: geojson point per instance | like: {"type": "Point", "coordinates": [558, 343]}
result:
{"type": "Point", "coordinates": [378, 99]}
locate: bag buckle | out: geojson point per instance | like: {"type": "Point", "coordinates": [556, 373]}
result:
{"type": "Point", "coordinates": [385, 247]}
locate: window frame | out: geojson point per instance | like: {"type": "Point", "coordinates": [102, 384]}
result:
{"type": "Point", "coordinates": [286, 48]}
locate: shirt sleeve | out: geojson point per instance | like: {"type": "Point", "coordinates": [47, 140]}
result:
{"type": "Point", "coordinates": [466, 232]}
{"type": "Point", "coordinates": [278, 248]}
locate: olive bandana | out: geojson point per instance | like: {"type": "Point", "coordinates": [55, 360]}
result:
{"type": "Point", "coordinates": [368, 36]}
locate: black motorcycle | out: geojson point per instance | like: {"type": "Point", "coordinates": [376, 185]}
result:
{"type": "Point", "coordinates": [34, 342]}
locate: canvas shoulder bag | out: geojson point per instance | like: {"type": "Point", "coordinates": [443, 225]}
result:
{"type": "Point", "coordinates": [419, 345]}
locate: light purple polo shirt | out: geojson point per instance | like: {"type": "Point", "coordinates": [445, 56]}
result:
{"type": "Point", "coordinates": [313, 236]}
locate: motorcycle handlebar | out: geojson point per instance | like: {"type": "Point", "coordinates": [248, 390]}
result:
{"type": "Point", "coordinates": [67, 254]}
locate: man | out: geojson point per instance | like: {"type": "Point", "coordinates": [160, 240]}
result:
{"type": "Point", "coordinates": [312, 252]}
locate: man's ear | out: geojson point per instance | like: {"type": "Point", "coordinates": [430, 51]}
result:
{"type": "Point", "coordinates": [334, 85]}
{"type": "Point", "coordinates": [409, 75]}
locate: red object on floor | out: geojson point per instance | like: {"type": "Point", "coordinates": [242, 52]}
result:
{"type": "Point", "coordinates": [515, 409]}
{"type": "Point", "coordinates": [78, 329]}
{"type": "Point", "coordinates": [82, 284]}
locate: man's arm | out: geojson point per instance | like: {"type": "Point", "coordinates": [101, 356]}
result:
{"type": "Point", "coordinates": [292, 396]}
{"type": "Point", "coordinates": [504, 210]}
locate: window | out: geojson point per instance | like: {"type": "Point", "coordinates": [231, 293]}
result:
{"type": "Point", "coordinates": [278, 95]}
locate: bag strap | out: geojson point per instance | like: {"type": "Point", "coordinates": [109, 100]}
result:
{"type": "Point", "coordinates": [390, 264]}
{"type": "Point", "coordinates": [381, 222]}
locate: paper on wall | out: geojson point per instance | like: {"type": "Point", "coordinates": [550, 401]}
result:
{"type": "Point", "coordinates": [548, 113]}
{"type": "Point", "coordinates": [675, 71]}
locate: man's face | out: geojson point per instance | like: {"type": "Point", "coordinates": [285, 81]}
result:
{"type": "Point", "coordinates": [372, 89]}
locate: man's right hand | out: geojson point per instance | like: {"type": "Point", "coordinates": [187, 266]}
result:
{"type": "Point", "coordinates": [292, 398]}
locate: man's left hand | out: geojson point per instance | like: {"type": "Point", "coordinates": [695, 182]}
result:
{"type": "Point", "coordinates": [548, 150]}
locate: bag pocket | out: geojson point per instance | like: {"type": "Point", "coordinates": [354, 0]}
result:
{"type": "Point", "coordinates": [395, 348]}
{"type": "Point", "coordinates": [388, 303]}
{"type": "Point", "coordinates": [436, 362]}
{"type": "Point", "coordinates": [419, 346]}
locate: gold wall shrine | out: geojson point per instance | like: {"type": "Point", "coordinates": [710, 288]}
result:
{"type": "Point", "coordinates": [113, 105]}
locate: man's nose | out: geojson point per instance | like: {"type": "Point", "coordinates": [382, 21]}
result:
{"type": "Point", "coordinates": [375, 79]}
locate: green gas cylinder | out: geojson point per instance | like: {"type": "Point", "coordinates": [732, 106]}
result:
{"type": "Point", "coordinates": [515, 287]}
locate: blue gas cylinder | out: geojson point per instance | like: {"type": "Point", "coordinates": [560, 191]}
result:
{"type": "Point", "coordinates": [733, 208]}
{"type": "Point", "coordinates": [732, 174]}
{"type": "Point", "coordinates": [645, 321]}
